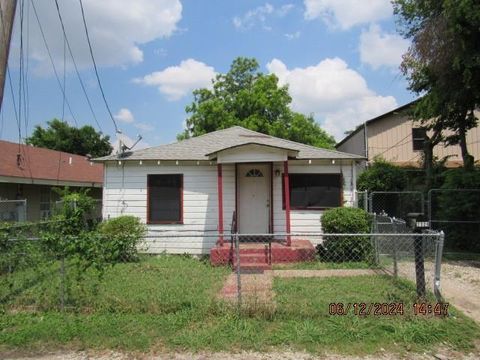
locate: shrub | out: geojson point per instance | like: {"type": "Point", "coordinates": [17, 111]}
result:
{"type": "Point", "coordinates": [122, 235]}
{"type": "Point", "coordinates": [459, 206]}
{"type": "Point", "coordinates": [345, 248]}
{"type": "Point", "coordinates": [382, 176]}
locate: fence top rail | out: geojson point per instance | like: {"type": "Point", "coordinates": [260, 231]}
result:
{"type": "Point", "coordinates": [396, 192]}
{"type": "Point", "coordinates": [310, 234]}
{"type": "Point", "coordinates": [13, 201]}
{"type": "Point", "coordinates": [463, 190]}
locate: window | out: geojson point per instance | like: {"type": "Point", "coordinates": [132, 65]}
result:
{"type": "Point", "coordinates": [315, 191]}
{"type": "Point", "coordinates": [165, 198]}
{"type": "Point", "coordinates": [44, 202]}
{"type": "Point", "coordinates": [418, 138]}
{"type": "Point", "coordinates": [254, 173]}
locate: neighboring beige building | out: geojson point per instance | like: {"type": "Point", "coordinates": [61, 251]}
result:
{"type": "Point", "coordinates": [396, 138]}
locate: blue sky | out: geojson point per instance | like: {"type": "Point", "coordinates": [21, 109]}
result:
{"type": "Point", "coordinates": [339, 57]}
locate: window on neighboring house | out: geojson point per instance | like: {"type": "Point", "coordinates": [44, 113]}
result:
{"type": "Point", "coordinates": [314, 191]}
{"type": "Point", "coordinates": [45, 201]}
{"type": "Point", "coordinates": [418, 138]}
{"type": "Point", "coordinates": [165, 198]}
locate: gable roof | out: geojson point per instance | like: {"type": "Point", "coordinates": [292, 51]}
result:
{"type": "Point", "coordinates": [375, 119]}
{"type": "Point", "coordinates": [200, 147]}
{"type": "Point", "coordinates": [33, 163]}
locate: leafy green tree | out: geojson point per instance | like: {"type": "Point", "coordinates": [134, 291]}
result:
{"type": "Point", "coordinates": [63, 137]}
{"type": "Point", "coordinates": [246, 97]}
{"type": "Point", "coordinates": [382, 176]}
{"type": "Point", "coordinates": [443, 64]}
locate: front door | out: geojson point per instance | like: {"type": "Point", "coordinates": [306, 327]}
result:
{"type": "Point", "coordinates": [253, 182]}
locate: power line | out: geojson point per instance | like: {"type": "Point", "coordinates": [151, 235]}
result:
{"type": "Point", "coordinates": [52, 62]}
{"type": "Point", "coordinates": [76, 67]}
{"type": "Point", "coordinates": [95, 67]}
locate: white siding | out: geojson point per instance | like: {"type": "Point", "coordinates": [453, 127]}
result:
{"type": "Point", "coordinates": [125, 193]}
{"type": "Point", "coordinates": [307, 220]}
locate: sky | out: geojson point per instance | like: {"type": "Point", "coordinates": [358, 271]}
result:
{"type": "Point", "coordinates": [340, 59]}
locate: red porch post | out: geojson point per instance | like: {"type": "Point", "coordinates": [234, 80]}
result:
{"type": "Point", "coordinates": [286, 183]}
{"type": "Point", "coordinates": [220, 204]}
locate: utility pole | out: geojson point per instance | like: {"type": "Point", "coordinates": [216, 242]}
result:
{"type": "Point", "coordinates": [7, 16]}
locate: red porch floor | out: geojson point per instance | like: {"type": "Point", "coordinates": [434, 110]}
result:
{"type": "Point", "coordinates": [260, 256]}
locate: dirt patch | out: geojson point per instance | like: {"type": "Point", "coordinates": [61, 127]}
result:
{"type": "Point", "coordinates": [442, 354]}
{"type": "Point", "coordinates": [460, 283]}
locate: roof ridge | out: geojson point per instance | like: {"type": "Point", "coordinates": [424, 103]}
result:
{"type": "Point", "coordinates": [295, 142]}
{"type": "Point", "coordinates": [185, 140]}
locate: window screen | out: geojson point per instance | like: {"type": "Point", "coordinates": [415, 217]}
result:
{"type": "Point", "coordinates": [418, 138]}
{"type": "Point", "coordinates": [165, 198]}
{"type": "Point", "coordinates": [315, 191]}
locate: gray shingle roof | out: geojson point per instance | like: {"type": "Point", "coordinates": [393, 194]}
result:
{"type": "Point", "coordinates": [198, 148]}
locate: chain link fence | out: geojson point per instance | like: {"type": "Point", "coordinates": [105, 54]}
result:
{"type": "Point", "coordinates": [396, 204]}
{"type": "Point", "coordinates": [36, 275]}
{"type": "Point", "coordinates": [13, 210]}
{"type": "Point", "coordinates": [457, 213]}
{"type": "Point", "coordinates": [454, 211]}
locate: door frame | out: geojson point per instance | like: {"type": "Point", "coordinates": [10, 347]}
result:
{"type": "Point", "coordinates": [237, 216]}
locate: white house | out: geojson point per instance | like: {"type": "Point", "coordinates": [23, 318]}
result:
{"type": "Point", "coordinates": [272, 185]}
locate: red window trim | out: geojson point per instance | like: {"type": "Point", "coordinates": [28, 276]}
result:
{"type": "Point", "coordinates": [161, 222]}
{"type": "Point", "coordinates": [311, 208]}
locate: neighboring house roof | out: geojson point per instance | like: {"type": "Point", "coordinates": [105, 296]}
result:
{"type": "Point", "coordinates": [375, 119]}
{"type": "Point", "coordinates": [33, 164]}
{"type": "Point", "coordinates": [200, 147]}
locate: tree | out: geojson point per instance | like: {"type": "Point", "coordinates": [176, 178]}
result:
{"type": "Point", "coordinates": [443, 62]}
{"type": "Point", "coordinates": [244, 96]}
{"type": "Point", "coordinates": [63, 137]}
{"type": "Point", "coordinates": [382, 176]}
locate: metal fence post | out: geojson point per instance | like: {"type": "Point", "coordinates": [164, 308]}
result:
{"type": "Point", "coordinates": [438, 266]}
{"type": "Point", "coordinates": [62, 282]}
{"type": "Point", "coordinates": [395, 260]}
{"type": "Point", "coordinates": [365, 200]}
{"type": "Point", "coordinates": [238, 270]}
{"type": "Point", "coordinates": [419, 263]}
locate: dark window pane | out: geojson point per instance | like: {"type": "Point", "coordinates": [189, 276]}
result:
{"type": "Point", "coordinates": [164, 198]}
{"type": "Point", "coordinates": [315, 190]}
{"type": "Point", "coordinates": [418, 138]}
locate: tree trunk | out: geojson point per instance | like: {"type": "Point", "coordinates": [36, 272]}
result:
{"type": "Point", "coordinates": [428, 162]}
{"type": "Point", "coordinates": [468, 160]}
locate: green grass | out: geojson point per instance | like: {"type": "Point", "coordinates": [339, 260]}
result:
{"type": "Point", "coordinates": [308, 301]}
{"type": "Point", "coordinates": [169, 303]}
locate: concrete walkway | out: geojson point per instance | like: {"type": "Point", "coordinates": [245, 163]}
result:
{"type": "Point", "coordinates": [259, 286]}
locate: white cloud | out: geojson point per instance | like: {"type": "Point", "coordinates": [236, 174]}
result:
{"type": "Point", "coordinates": [143, 126]}
{"type": "Point", "coordinates": [345, 14]}
{"type": "Point", "coordinates": [285, 9]}
{"type": "Point", "coordinates": [379, 49]}
{"type": "Point", "coordinates": [124, 115]}
{"type": "Point", "coordinates": [176, 82]}
{"type": "Point", "coordinates": [338, 96]}
{"type": "Point", "coordinates": [259, 15]}
{"type": "Point", "coordinates": [292, 36]}
{"type": "Point", "coordinates": [117, 29]}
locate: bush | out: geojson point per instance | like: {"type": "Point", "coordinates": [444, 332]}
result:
{"type": "Point", "coordinates": [345, 248]}
{"type": "Point", "coordinates": [459, 206]}
{"type": "Point", "coordinates": [382, 176]}
{"type": "Point", "coordinates": [122, 236]}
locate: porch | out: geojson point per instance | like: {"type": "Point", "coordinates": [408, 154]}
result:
{"type": "Point", "coordinates": [260, 253]}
